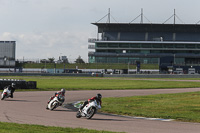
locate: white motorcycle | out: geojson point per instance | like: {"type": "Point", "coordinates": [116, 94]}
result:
{"type": "Point", "coordinates": [6, 93]}
{"type": "Point", "coordinates": [89, 110]}
{"type": "Point", "coordinates": [55, 102]}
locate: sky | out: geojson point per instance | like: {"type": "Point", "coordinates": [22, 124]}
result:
{"type": "Point", "coordinates": [46, 29]}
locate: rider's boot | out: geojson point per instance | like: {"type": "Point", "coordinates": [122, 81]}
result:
{"type": "Point", "coordinates": [11, 95]}
{"type": "Point", "coordinates": [80, 109]}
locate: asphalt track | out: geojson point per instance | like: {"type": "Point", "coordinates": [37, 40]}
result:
{"type": "Point", "coordinates": [29, 108]}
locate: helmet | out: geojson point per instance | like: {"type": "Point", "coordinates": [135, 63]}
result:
{"type": "Point", "coordinates": [13, 84]}
{"type": "Point", "coordinates": [63, 90]}
{"type": "Point", "coordinates": [99, 96]}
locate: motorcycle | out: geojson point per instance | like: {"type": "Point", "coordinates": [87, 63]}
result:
{"type": "Point", "coordinates": [6, 93]}
{"type": "Point", "coordinates": [55, 102]}
{"type": "Point", "coordinates": [89, 110]}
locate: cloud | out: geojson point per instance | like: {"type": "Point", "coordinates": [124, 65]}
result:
{"type": "Point", "coordinates": [48, 44]}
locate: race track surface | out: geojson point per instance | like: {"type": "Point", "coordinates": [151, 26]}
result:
{"type": "Point", "coordinates": [29, 108]}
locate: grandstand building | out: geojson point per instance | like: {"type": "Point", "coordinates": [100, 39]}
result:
{"type": "Point", "coordinates": [147, 43]}
{"type": "Point", "coordinates": [7, 54]}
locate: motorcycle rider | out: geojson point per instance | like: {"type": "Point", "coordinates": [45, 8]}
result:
{"type": "Point", "coordinates": [61, 92]}
{"type": "Point", "coordinates": [97, 98]}
{"type": "Point", "coordinates": [11, 88]}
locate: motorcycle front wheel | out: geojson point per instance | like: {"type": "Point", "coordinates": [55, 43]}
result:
{"type": "Point", "coordinates": [3, 97]}
{"type": "Point", "coordinates": [78, 114]}
{"type": "Point", "coordinates": [91, 111]}
{"type": "Point", "coordinates": [53, 106]}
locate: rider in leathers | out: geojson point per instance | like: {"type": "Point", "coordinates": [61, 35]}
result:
{"type": "Point", "coordinates": [11, 88]}
{"type": "Point", "coordinates": [97, 98]}
{"type": "Point", "coordinates": [61, 92]}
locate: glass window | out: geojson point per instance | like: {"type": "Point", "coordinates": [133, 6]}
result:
{"type": "Point", "coordinates": [101, 45]}
{"type": "Point", "coordinates": [179, 60]}
{"type": "Point", "coordinates": [118, 51]}
{"type": "Point", "coordinates": [156, 51]}
{"type": "Point", "coordinates": [168, 45]}
{"type": "Point", "coordinates": [124, 45]}
{"type": "Point", "coordinates": [135, 45]}
{"type": "Point", "coordinates": [91, 59]}
{"type": "Point", "coordinates": [198, 45]}
{"type": "Point", "coordinates": [113, 45]}
{"type": "Point", "coordinates": [112, 60]}
{"type": "Point", "coordinates": [181, 51]}
{"type": "Point", "coordinates": [133, 51]}
{"type": "Point", "coordinates": [101, 51]}
{"type": "Point", "coordinates": [168, 51]}
{"type": "Point", "coordinates": [145, 51]}
{"type": "Point", "coordinates": [123, 59]}
{"type": "Point", "coordinates": [100, 60]}
{"type": "Point", "coordinates": [154, 60]}
{"type": "Point", "coordinates": [146, 45]}
{"type": "Point", "coordinates": [190, 45]}
{"type": "Point", "coordinates": [179, 45]}
{"type": "Point", "coordinates": [111, 51]}
{"type": "Point", "coordinates": [157, 45]}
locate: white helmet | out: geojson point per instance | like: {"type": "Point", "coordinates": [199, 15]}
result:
{"type": "Point", "coordinates": [63, 90]}
{"type": "Point", "coordinates": [13, 84]}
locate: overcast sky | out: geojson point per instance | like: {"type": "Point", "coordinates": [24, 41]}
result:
{"type": "Point", "coordinates": [51, 28]}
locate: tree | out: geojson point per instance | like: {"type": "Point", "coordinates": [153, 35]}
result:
{"type": "Point", "coordinates": [79, 60]}
{"type": "Point", "coordinates": [44, 61]}
{"type": "Point", "coordinates": [51, 60]}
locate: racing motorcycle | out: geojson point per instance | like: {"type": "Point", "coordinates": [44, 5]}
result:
{"type": "Point", "coordinates": [55, 102]}
{"type": "Point", "coordinates": [6, 93]}
{"type": "Point", "coordinates": [89, 110]}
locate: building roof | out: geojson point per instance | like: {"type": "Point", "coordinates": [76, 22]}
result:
{"type": "Point", "coordinates": [146, 27]}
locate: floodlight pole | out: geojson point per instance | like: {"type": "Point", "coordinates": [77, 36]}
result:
{"type": "Point", "coordinates": [109, 15]}
{"type": "Point", "coordinates": [142, 15]}
{"type": "Point", "coordinates": [174, 17]}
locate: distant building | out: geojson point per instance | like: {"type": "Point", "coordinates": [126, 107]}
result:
{"type": "Point", "coordinates": [7, 53]}
{"type": "Point", "coordinates": [147, 43]}
{"type": "Point", "coordinates": [63, 59]}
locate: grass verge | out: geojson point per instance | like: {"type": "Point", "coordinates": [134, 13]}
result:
{"type": "Point", "coordinates": [87, 83]}
{"type": "Point", "coordinates": [25, 128]}
{"type": "Point", "coordinates": [181, 107]}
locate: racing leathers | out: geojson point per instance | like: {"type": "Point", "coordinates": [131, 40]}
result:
{"type": "Point", "coordinates": [90, 100]}
{"type": "Point", "coordinates": [56, 95]}
{"type": "Point", "coordinates": [12, 89]}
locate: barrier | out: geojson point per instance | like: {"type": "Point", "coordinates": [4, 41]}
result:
{"type": "Point", "coordinates": [20, 84]}
{"type": "Point", "coordinates": [97, 74]}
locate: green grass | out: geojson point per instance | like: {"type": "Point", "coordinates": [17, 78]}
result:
{"type": "Point", "coordinates": [182, 106]}
{"type": "Point", "coordinates": [107, 83]}
{"type": "Point", "coordinates": [93, 83]}
{"type": "Point", "coordinates": [25, 128]}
